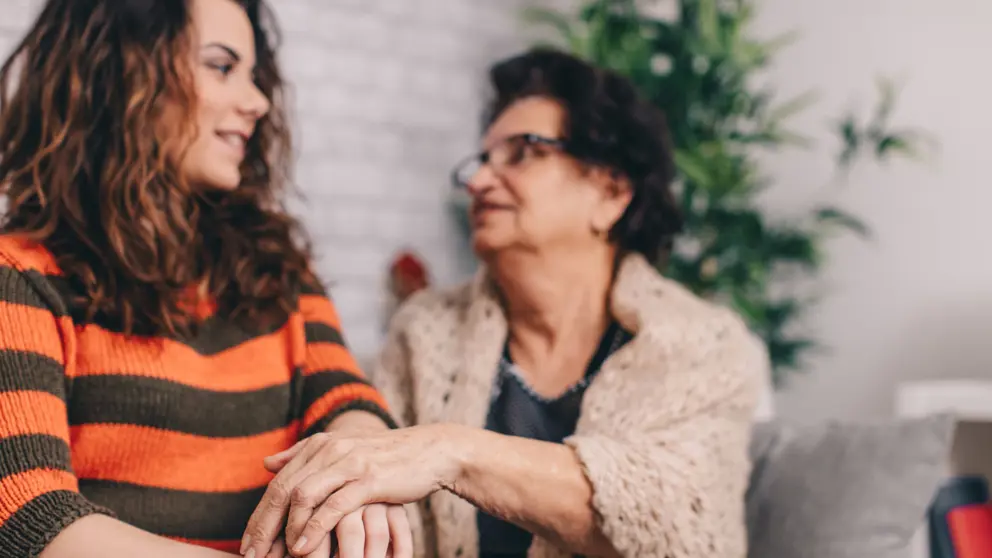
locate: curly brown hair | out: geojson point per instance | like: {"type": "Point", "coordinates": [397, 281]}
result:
{"type": "Point", "coordinates": [86, 168]}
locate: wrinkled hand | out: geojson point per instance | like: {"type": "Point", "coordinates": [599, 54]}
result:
{"type": "Point", "coordinates": [323, 480]}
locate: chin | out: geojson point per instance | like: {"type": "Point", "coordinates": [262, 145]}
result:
{"type": "Point", "coordinates": [224, 181]}
{"type": "Point", "coordinates": [486, 243]}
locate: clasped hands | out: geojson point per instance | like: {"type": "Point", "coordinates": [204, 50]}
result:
{"type": "Point", "coordinates": [355, 483]}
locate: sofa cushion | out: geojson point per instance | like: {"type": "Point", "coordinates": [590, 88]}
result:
{"type": "Point", "coordinates": [843, 490]}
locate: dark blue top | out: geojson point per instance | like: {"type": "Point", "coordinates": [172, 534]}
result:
{"type": "Point", "coordinates": [516, 410]}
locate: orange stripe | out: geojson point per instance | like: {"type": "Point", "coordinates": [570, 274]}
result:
{"type": "Point", "coordinates": [27, 255]}
{"type": "Point", "coordinates": [330, 356]}
{"type": "Point", "coordinates": [18, 489]}
{"type": "Point", "coordinates": [259, 363]}
{"type": "Point", "coordinates": [340, 396]}
{"type": "Point", "coordinates": [223, 546]}
{"type": "Point", "coordinates": [25, 328]}
{"type": "Point", "coordinates": [173, 460]}
{"type": "Point", "coordinates": [316, 308]}
{"type": "Point", "coordinates": [32, 412]}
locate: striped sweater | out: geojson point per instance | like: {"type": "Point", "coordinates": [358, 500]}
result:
{"type": "Point", "coordinates": [166, 434]}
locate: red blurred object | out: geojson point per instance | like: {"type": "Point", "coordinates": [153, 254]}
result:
{"type": "Point", "coordinates": [407, 274]}
{"type": "Point", "coordinates": [971, 530]}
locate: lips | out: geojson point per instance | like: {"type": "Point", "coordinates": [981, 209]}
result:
{"type": "Point", "coordinates": [235, 140]}
{"type": "Point", "coordinates": [482, 207]}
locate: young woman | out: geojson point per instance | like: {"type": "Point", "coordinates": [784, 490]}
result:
{"type": "Point", "coordinates": [161, 328]}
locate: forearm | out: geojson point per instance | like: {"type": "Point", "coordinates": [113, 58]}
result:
{"type": "Point", "coordinates": [539, 486]}
{"type": "Point", "coordinates": [99, 536]}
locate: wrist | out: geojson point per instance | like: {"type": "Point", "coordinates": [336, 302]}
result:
{"type": "Point", "coordinates": [356, 421]}
{"type": "Point", "coordinates": [460, 450]}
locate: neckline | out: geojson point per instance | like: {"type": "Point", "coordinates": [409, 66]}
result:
{"type": "Point", "coordinates": [613, 338]}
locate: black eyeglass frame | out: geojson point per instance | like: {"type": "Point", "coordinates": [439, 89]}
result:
{"type": "Point", "coordinates": [483, 156]}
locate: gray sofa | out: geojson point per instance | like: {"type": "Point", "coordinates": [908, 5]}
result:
{"type": "Point", "coordinates": [844, 490]}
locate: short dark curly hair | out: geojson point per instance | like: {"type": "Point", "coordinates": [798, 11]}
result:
{"type": "Point", "coordinates": [607, 124]}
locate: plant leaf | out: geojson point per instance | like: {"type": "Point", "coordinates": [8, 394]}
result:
{"type": "Point", "coordinates": [792, 107]}
{"type": "Point", "coordinates": [833, 215]}
{"type": "Point", "coordinates": [692, 168]}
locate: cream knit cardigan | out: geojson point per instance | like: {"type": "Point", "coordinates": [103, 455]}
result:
{"type": "Point", "coordinates": [663, 430]}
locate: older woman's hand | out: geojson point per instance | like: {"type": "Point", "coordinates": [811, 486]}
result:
{"type": "Point", "coordinates": [324, 482]}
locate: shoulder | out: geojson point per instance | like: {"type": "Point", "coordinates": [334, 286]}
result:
{"type": "Point", "coordinates": [24, 255]}
{"type": "Point", "coordinates": [26, 272]}
{"type": "Point", "coordinates": [671, 316]}
{"type": "Point", "coordinates": [684, 344]}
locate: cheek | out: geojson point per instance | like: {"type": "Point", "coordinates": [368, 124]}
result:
{"type": "Point", "coordinates": [554, 209]}
{"type": "Point", "coordinates": [208, 108]}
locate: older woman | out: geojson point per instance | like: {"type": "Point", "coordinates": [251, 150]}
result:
{"type": "Point", "coordinates": [569, 399]}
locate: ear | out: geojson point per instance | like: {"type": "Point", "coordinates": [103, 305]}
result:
{"type": "Point", "coordinates": [615, 193]}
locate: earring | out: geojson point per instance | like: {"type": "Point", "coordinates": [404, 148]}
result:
{"type": "Point", "coordinates": [598, 233]}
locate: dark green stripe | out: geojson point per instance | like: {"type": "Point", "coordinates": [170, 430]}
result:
{"type": "Point", "coordinates": [16, 288]}
{"type": "Point", "coordinates": [319, 332]}
{"type": "Point", "coordinates": [33, 451]}
{"type": "Point", "coordinates": [39, 290]}
{"type": "Point", "coordinates": [359, 405]}
{"type": "Point", "coordinates": [318, 384]}
{"type": "Point", "coordinates": [176, 513]}
{"type": "Point", "coordinates": [216, 335]}
{"type": "Point", "coordinates": [64, 298]}
{"type": "Point", "coordinates": [167, 405]}
{"type": "Point", "coordinates": [213, 336]}
{"type": "Point", "coordinates": [27, 371]}
{"type": "Point", "coordinates": [29, 530]}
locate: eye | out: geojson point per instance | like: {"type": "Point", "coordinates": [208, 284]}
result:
{"type": "Point", "coordinates": [518, 151]}
{"type": "Point", "coordinates": [224, 68]}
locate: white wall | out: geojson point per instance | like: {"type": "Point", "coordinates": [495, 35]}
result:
{"type": "Point", "coordinates": [916, 302]}
{"type": "Point", "coordinates": [389, 94]}
{"type": "Point", "coordinates": [387, 100]}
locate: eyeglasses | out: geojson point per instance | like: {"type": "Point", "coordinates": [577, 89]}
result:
{"type": "Point", "coordinates": [509, 154]}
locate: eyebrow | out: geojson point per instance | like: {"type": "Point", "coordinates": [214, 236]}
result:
{"type": "Point", "coordinates": [230, 51]}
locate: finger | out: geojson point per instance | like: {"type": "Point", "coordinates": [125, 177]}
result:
{"type": "Point", "coordinates": [278, 549]}
{"type": "Point", "coordinates": [376, 531]}
{"type": "Point", "coordinates": [351, 536]}
{"type": "Point", "coordinates": [399, 532]}
{"type": "Point", "coordinates": [303, 499]}
{"type": "Point", "coordinates": [329, 514]}
{"type": "Point", "coordinates": [312, 492]}
{"type": "Point", "coordinates": [323, 550]}
{"type": "Point", "coordinates": [275, 462]}
{"type": "Point", "coordinates": [265, 523]}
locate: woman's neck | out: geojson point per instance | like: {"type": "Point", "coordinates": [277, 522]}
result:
{"type": "Point", "coordinates": [557, 308]}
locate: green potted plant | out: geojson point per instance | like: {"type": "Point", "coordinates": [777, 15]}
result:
{"type": "Point", "coordinates": [698, 67]}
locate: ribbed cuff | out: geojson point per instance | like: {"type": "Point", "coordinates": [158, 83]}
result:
{"type": "Point", "coordinates": [356, 405]}
{"type": "Point", "coordinates": [29, 530]}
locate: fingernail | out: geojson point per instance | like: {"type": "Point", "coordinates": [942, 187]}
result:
{"type": "Point", "coordinates": [250, 553]}
{"type": "Point", "coordinates": [245, 542]}
{"type": "Point", "coordinates": [300, 543]}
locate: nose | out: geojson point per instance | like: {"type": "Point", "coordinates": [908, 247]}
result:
{"type": "Point", "coordinates": [483, 180]}
{"type": "Point", "coordinates": [254, 103]}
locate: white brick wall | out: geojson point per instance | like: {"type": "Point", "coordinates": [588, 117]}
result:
{"type": "Point", "coordinates": [387, 97]}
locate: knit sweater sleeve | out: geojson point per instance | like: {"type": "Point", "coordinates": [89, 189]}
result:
{"type": "Point", "coordinates": [39, 494]}
{"type": "Point", "coordinates": [333, 383]}
{"type": "Point", "coordinates": [667, 456]}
